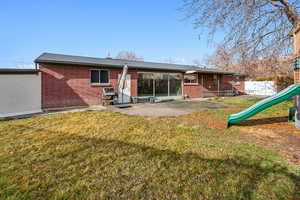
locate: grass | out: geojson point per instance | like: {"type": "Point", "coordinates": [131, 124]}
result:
{"type": "Point", "coordinates": [106, 155]}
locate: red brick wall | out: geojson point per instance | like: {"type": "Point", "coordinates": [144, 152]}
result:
{"type": "Point", "coordinates": [226, 82]}
{"type": "Point", "coordinates": [193, 91]}
{"type": "Point", "coordinates": [67, 86]}
{"type": "Point", "coordinates": [209, 85]}
{"type": "Point", "coordinates": [240, 85]}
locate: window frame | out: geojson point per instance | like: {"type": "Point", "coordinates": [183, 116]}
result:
{"type": "Point", "coordinates": [197, 79]}
{"type": "Point", "coordinates": [99, 83]}
{"type": "Point", "coordinates": [153, 82]}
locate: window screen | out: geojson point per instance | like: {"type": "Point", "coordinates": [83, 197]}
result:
{"type": "Point", "coordinates": [103, 76]}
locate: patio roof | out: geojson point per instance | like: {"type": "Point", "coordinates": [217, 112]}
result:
{"type": "Point", "coordinates": [51, 58]}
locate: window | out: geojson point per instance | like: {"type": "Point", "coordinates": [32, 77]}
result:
{"type": "Point", "coordinates": [99, 77]}
{"type": "Point", "coordinates": [190, 79]}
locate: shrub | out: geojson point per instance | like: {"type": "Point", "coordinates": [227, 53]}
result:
{"type": "Point", "coordinates": [267, 78]}
{"type": "Point", "coordinates": [283, 82]}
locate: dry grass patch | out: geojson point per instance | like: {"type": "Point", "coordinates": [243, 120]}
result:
{"type": "Point", "coordinates": [106, 155]}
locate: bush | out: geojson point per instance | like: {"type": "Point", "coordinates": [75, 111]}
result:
{"type": "Point", "coordinates": [267, 78]}
{"type": "Point", "coordinates": [283, 82]}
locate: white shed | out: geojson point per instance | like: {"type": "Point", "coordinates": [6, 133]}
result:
{"type": "Point", "coordinates": [20, 92]}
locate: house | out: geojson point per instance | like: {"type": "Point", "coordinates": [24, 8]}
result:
{"type": "Point", "coordinates": [71, 81]}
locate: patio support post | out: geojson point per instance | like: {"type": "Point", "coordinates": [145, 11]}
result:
{"type": "Point", "coordinates": [202, 87]}
{"type": "Point", "coordinates": [218, 77]}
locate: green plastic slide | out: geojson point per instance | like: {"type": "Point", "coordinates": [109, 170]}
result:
{"type": "Point", "coordinates": [283, 95]}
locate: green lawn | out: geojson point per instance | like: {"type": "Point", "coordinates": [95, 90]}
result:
{"type": "Point", "coordinates": [106, 155]}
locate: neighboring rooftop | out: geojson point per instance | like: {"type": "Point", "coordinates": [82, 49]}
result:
{"type": "Point", "coordinates": [119, 63]}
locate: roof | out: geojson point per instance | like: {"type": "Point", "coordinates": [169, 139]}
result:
{"type": "Point", "coordinates": [51, 58]}
{"type": "Point", "coordinates": [240, 74]}
{"type": "Point", "coordinates": [17, 71]}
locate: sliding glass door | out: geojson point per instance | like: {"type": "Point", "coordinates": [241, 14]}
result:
{"type": "Point", "coordinates": [175, 81]}
{"type": "Point", "coordinates": [159, 84]}
{"type": "Point", "coordinates": [145, 84]}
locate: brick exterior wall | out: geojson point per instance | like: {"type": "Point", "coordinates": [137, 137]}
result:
{"type": "Point", "coordinates": [68, 86]}
{"type": "Point", "coordinates": [207, 86]}
{"type": "Point", "coordinates": [193, 91]}
{"type": "Point", "coordinates": [239, 85]}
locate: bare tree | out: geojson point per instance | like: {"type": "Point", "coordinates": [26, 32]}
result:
{"type": "Point", "coordinates": [259, 28]}
{"type": "Point", "coordinates": [129, 55]}
{"type": "Point", "coordinates": [196, 62]}
{"type": "Point", "coordinates": [220, 58]}
{"type": "Point", "coordinates": [268, 67]}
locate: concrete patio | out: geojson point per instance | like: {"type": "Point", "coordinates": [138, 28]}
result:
{"type": "Point", "coordinates": [172, 108]}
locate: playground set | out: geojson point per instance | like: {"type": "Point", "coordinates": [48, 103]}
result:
{"type": "Point", "coordinates": [287, 93]}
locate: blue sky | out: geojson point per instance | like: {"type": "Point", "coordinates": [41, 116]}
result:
{"type": "Point", "coordinates": [154, 30]}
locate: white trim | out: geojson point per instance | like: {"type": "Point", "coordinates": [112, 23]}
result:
{"type": "Point", "coordinates": [100, 84]}
{"type": "Point", "coordinates": [190, 72]}
{"type": "Point", "coordinates": [191, 83]}
{"type": "Point", "coordinates": [20, 113]}
{"type": "Point", "coordinates": [197, 83]}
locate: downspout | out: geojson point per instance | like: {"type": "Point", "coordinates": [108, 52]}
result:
{"type": "Point", "coordinates": [36, 69]}
{"type": "Point", "coordinates": [182, 85]}
{"type": "Point", "coordinates": [168, 84]}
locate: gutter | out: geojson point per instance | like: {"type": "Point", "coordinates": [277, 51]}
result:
{"type": "Point", "coordinates": [18, 71]}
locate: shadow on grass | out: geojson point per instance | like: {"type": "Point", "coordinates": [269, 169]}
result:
{"type": "Point", "coordinates": [163, 172]}
{"type": "Point", "coordinates": [262, 121]}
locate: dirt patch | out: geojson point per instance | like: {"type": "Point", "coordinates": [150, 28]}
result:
{"type": "Point", "coordinates": [280, 137]}
{"type": "Point", "coordinates": [273, 133]}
